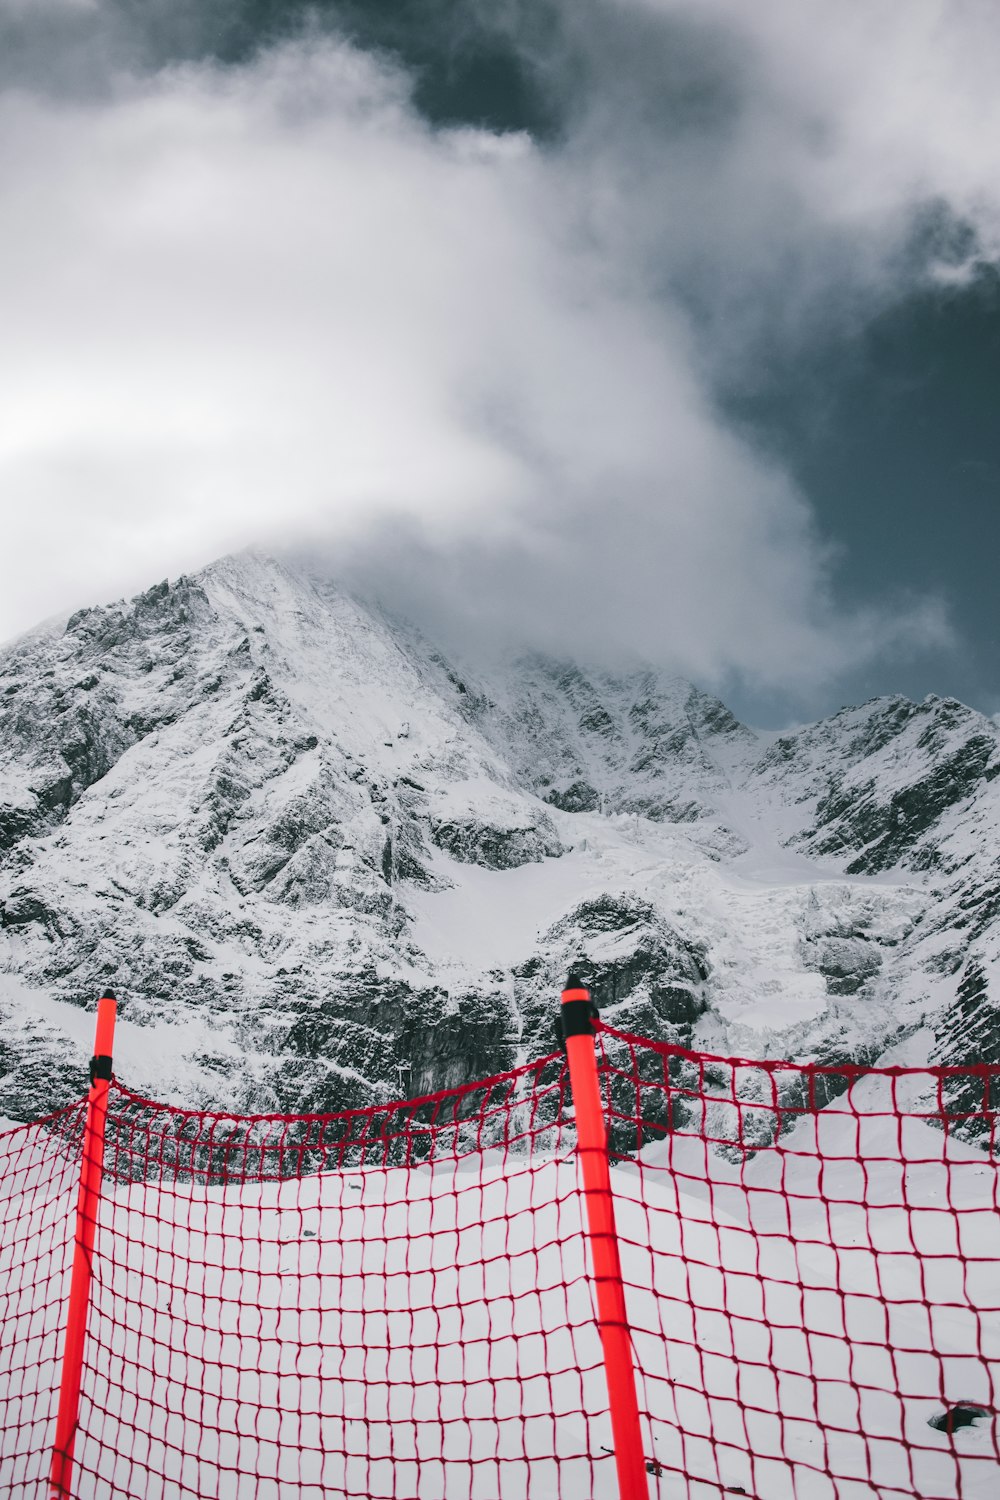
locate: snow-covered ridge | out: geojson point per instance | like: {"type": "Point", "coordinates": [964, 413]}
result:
{"type": "Point", "coordinates": [323, 863]}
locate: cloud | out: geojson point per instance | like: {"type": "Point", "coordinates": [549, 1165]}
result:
{"type": "Point", "coordinates": [786, 168]}
{"type": "Point", "coordinates": [270, 302]}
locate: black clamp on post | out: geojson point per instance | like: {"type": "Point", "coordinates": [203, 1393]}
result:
{"type": "Point", "coordinates": [577, 1013]}
{"type": "Point", "coordinates": [100, 1067]}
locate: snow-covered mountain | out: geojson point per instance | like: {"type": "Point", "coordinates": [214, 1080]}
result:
{"type": "Point", "coordinates": [323, 864]}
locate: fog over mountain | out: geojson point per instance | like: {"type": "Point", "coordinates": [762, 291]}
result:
{"type": "Point", "coordinates": [326, 861]}
{"type": "Point", "coordinates": [679, 321]}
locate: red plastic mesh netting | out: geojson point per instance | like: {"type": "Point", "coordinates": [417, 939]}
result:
{"type": "Point", "coordinates": [39, 1182]}
{"type": "Point", "coordinates": [395, 1302]}
{"type": "Point", "coordinates": [812, 1268]}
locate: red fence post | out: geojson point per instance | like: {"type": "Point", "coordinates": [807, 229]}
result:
{"type": "Point", "coordinates": [612, 1318]}
{"type": "Point", "coordinates": [88, 1205]}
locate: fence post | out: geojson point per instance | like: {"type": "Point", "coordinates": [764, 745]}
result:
{"type": "Point", "coordinates": [612, 1318]}
{"type": "Point", "coordinates": [88, 1205]}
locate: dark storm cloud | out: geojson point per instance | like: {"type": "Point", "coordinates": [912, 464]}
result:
{"type": "Point", "coordinates": [483, 64]}
{"type": "Point", "coordinates": [281, 273]}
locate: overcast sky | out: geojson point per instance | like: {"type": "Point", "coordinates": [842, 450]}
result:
{"type": "Point", "coordinates": [658, 329]}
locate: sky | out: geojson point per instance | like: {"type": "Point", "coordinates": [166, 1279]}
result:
{"type": "Point", "coordinates": [633, 329]}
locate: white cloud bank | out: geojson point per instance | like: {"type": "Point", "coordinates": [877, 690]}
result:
{"type": "Point", "coordinates": [258, 304]}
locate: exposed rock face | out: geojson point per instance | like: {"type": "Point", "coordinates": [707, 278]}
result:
{"type": "Point", "coordinates": [579, 796]}
{"type": "Point", "coordinates": [968, 1032]}
{"type": "Point", "coordinates": [325, 866]}
{"type": "Point", "coordinates": [474, 841]}
{"type": "Point", "coordinates": [644, 976]}
{"type": "Point", "coordinates": [890, 798]}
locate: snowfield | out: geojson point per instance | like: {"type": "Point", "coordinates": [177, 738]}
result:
{"type": "Point", "coordinates": [798, 1318]}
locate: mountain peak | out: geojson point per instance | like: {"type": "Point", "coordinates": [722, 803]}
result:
{"type": "Point", "coordinates": [319, 855]}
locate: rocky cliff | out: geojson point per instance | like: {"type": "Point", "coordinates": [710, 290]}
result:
{"type": "Point", "coordinates": [323, 864]}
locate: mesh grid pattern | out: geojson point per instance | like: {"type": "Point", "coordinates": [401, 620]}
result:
{"type": "Point", "coordinates": [395, 1302]}
{"type": "Point", "coordinates": [39, 1181]}
{"type": "Point", "coordinates": [812, 1268]}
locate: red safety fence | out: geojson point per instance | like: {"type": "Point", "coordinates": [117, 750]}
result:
{"type": "Point", "coordinates": [399, 1302]}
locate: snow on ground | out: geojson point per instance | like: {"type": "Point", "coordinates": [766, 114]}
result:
{"type": "Point", "coordinates": [797, 1320]}
{"type": "Point", "coordinates": [491, 918]}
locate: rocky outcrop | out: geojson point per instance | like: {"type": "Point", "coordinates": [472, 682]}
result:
{"type": "Point", "coordinates": [884, 778]}
{"type": "Point", "coordinates": [39, 1067]}
{"type": "Point", "coordinates": [65, 719]}
{"type": "Point", "coordinates": [968, 1034]}
{"type": "Point", "coordinates": [579, 796]}
{"type": "Point", "coordinates": [474, 841]}
{"type": "Point", "coordinates": [644, 976]}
